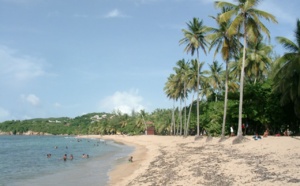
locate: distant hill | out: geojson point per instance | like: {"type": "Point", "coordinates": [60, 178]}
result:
{"type": "Point", "coordinates": [52, 125]}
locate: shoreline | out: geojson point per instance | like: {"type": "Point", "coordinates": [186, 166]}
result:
{"type": "Point", "coordinates": [124, 171]}
{"type": "Point", "coordinates": [174, 160]}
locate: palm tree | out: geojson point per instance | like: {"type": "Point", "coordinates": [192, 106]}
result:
{"type": "Point", "coordinates": [194, 37]}
{"type": "Point", "coordinates": [182, 74]}
{"type": "Point", "coordinates": [246, 18]}
{"type": "Point", "coordinates": [215, 78]}
{"type": "Point", "coordinates": [174, 90]}
{"type": "Point", "coordinates": [194, 70]}
{"type": "Point", "coordinates": [258, 61]}
{"type": "Point", "coordinates": [228, 47]}
{"type": "Point", "coordinates": [170, 91]}
{"type": "Point", "coordinates": [287, 76]}
{"type": "Point", "coordinates": [140, 122]}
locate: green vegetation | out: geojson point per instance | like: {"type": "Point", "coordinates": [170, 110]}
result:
{"type": "Point", "coordinates": [257, 88]}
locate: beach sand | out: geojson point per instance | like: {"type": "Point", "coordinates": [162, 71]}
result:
{"type": "Point", "coordinates": [174, 160]}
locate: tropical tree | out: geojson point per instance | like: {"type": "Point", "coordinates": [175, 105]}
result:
{"type": "Point", "coordinates": [140, 122]}
{"type": "Point", "coordinates": [182, 74]}
{"type": "Point", "coordinates": [215, 78]}
{"type": "Point", "coordinates": [246, 17]}
{"type": "Point", "coordinates": [287, 77]}
{"type": "Point", "coordinates": [228, 47]}
{"type": "Point", "coordinates": [194, 70]}
{"type": "Point", "coordinates": [170, 91]}
{"type": "Point", "coordinates": [258, 61]}
{"type": "Point", "coordinates": [194, 38]}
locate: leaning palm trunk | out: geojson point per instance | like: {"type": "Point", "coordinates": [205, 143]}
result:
{"type": "Point", "coordinates": [225, 101]}
{"type": "Point", "coordinates": [188, 120]}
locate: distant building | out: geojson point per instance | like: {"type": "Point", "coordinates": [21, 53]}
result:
{"type": "Point", "coordinates": [150, 128]}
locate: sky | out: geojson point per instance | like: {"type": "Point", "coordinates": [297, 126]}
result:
{"type": "Point", "coordinates": [66, 58]}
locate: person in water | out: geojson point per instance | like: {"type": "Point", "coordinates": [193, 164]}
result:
{"type": "Point", "coordinates": [65, 157]}
{"type": "Point", "coordinates": [130, 159]}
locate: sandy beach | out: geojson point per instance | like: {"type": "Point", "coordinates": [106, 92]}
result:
{"type": "Point", "coordinates": [174, 160]}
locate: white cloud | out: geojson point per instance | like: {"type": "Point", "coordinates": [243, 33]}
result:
{"type": "Point", "coordinates": [16, 69]}
{"type": "Point", "coordinates": [123, 101]}
{"type": "Point", "coordinates": [31, 98]}
{"type": "Point", "coordinates": [114, 13]}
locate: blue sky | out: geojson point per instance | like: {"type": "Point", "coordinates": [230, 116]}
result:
{"type": "Point", "coordinates": [71, 57]}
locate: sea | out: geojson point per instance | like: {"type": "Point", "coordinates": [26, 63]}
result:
{"type": "Point", "coordinates": [26, 160]}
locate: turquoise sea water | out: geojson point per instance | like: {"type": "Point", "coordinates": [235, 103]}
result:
{"type": "Point", "coordinates": [24, 161]}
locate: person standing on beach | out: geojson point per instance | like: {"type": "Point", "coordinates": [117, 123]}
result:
{"type": "Point", "coordinates": [231, 131]}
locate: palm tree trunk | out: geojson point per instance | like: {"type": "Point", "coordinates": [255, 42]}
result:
{"type": "Point", "coordinates": [240, 132]}
{"type": "Point", "coordinates": [198, 94]}
{"type": "Point", "coordinates": [177, 127]}
{"type": "Point", "coordinates": [185, 124]}
{"type": "Point", "coordinates": [188, 120]}
{"type": "Point", "coordinates": [180, 116]}
{"type": "Point", "coordinates": [225, 101]}
{"type": "Point", "coordinates": [172, 132]}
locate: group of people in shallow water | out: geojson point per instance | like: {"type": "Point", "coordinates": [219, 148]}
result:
{"type": "Point", "coordinates": [65, 157]}
{"type": "Point", "coordinates": [71, 157]}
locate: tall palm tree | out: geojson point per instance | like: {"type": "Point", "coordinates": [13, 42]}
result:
{"type": "Point", "coordinates": [170, 90]}
{"type": "Point", "coordinates": [176, 86]}
{"type": "Point", "coordinates": [287, 77]}
{"type": "Point", "coordinates": [182, 71]}
{"type": "Point", "coordinates": [194, 38]}
{"type": "Point", "coordinates": [194, 70]}
{"type": "Point", "coordinates": [228, 47]}
{"type": "Point", "coordinates": [246, 17]}
{"type": "Point", "coordinates": [215, 78]}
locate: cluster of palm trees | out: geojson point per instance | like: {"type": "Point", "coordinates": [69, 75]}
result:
{"type": "Point", "coordinates": [238, 38]}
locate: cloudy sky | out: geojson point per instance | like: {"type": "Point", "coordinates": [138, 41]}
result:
{"type": "Point", "coordinates": [71, 57]}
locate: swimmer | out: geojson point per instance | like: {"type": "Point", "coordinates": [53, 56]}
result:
{"type": "Point", "coordinates": [130, 159]}
{"type": "Point", "coordinates": [65, 157]}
